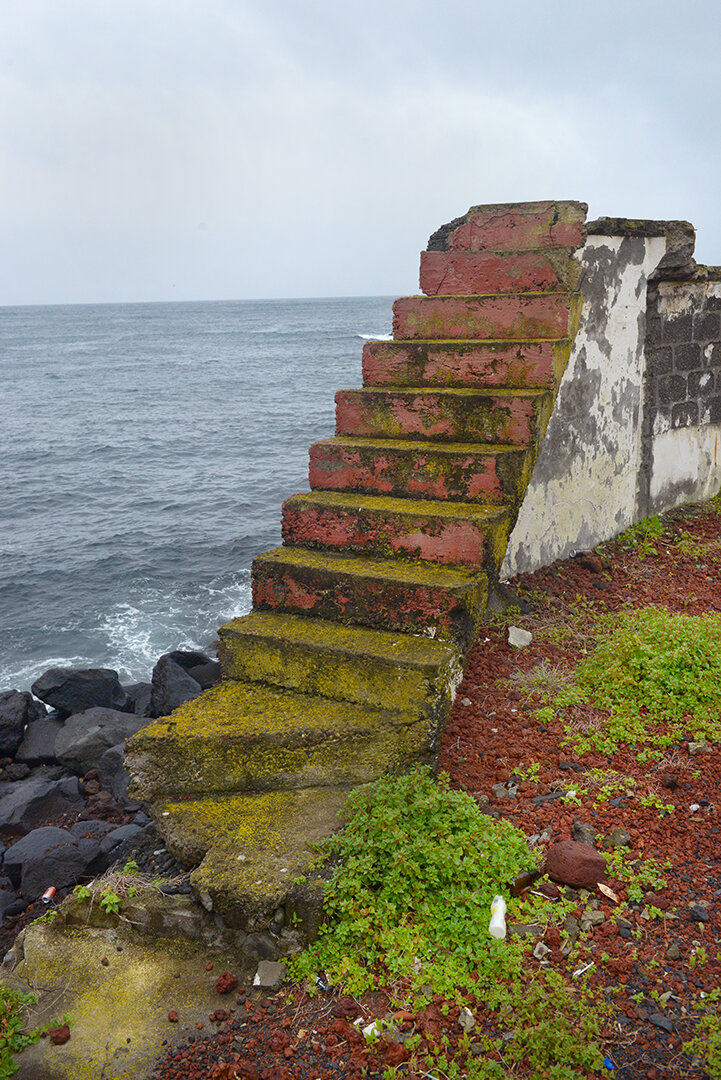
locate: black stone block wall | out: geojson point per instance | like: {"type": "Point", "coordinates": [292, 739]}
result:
{"type": "Point", "coordinates": [683, 355]}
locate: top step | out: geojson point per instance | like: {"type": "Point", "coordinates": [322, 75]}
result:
{"type": "Point", "coordinates": [513, 227]}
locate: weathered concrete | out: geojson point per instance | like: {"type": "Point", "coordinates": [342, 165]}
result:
{"type": "Point", "coordinates": [583, 488]}
{"type": "Point", "coordinates": [513, 416]}
{"type": "Point", "coordinates": [464, 363]}
{"type": "Point", "coordinates": [118, 1010]}
{"type": "Point", "coordinates": [393, 594]}
{"type": "Point", "coordinates": [509, 316]}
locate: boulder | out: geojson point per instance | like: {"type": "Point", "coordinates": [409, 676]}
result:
{"type": "Point", "coordinates": [206, 675]}
{"type": "Point", "coordinates": [49, 856]}
{"type": "Point", "coordinates": [172, 685]}
{"type": "Point", "coordinates": [572, 863]}
{"type": "Point", "coordinates": [16, 710]}
{"type": "Point", "coordinates": [35, 800]}
{"type": "Point", "coordinates": [119, 843]}
{"type": "Point", "coordinates": [87, 735]}
{"type": "Point", "coordinates": [139, 695]}
{"type": "Point", "coordinates": [38, 745]}
{"type": "Point", "coordinates": [7, 899]}
{"type": "Point", "coordinates": [112, 773]}
{"type": "Point", "coordinates": [73, 690]}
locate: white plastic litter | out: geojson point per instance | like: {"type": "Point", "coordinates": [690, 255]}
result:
{"type": "Point", "coordinates": [497, 925]}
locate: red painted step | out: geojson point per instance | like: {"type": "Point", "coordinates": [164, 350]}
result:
{"type": "Point", "coordinates": [464, 534]}
{"type": "Point", "coordinates": [513, 227]}
{"type": "Point", "coordinates": [385, 594]}
{"type": "Point", "coordinates": [419, 470]}
{"type": "Point", "coordinates": [456, 273]}
{"type": "Point", "coordinates": [502, 316]}
{"type": "Point", "coordinates": [464, 363]}
{"type": "Point", "coordinates": [471, 416]}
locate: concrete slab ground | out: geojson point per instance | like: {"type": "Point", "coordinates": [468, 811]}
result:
{"type": "Point", "coordinates": [118, 1010]}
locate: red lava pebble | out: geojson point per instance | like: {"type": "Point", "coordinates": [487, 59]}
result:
{"type": "Point", "coordinates": [59, 1035]}
{"type": "Point", "coordinates": [225, 983]}
{"type": "Point", "coordinates": [173, 1016]}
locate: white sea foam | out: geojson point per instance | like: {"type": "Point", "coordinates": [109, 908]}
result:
{"type": "Point", "coordinates": [159, 620]}
{"type": "Point", "coordinates": [376, 337]}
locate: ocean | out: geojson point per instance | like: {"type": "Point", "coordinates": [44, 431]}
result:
{"type": "Point", "coordinates": [146, 450]}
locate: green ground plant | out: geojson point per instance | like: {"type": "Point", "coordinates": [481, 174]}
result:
{"type": "Point", "coordinates": [410, 899]}
{"type": "Point", "coordinates": [651, 667]}
{"type": "Point", "coordinates": [707, 1040]}
{"type": "Point", "coordinates": [408, 908]}
{"type": "Point", "coordinates": [643, 536]}
{"type": "Point", "coordinates": [13, 1039]}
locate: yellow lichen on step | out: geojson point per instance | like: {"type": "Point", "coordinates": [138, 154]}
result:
{"type": "Point", "coordinates": [249, 737]}
{"type": "Point", "coordinates": [254, 847]}
{"type": "Point", "coordinates": [390, 670]}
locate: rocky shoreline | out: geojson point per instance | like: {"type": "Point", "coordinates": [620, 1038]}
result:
{"type": "Point", "coordinates": [65, 811]}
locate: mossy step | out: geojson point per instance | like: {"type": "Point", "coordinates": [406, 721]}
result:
{"type": "Point", "coordinates": [486, 364]}
{"type": "Point", "coordinates": [510, 416]}
{"type": "Point", "coordinates": [251, 848]}
{"type": "Point", "coordinates": [451, 533]}
{"type": "Point", "coordinates": [347, 663]}
{"type": "Point", "coordinates": [248, 737]}
{"type": "Point", "coordinates": [469, 472]}
{"type": "Point", "coordinates": [390, 594]}
{"type": "Point", "coordinates": [513, 316]}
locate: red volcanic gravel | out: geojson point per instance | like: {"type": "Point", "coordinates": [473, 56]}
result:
{"type": "Point", "coordinates": [656, 967]}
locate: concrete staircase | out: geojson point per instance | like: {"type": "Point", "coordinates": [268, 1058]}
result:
{"type": "Point", "coordinates": [348, 664]}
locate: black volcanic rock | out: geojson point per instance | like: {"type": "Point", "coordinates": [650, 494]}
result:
{"type": "Point", "coordinates": [73, 690]}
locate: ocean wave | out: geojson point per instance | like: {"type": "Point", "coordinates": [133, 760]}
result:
{"type": "Point", "coordinates": [375, 337]}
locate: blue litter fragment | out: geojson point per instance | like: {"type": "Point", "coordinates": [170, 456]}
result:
{"type": "Point", "coordinates": [608, 1063]}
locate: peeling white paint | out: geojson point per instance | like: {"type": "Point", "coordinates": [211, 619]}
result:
{"type": "Point", "coordinates": [583, 488]}
{"type": "Point", "coordinates": [686, 466]}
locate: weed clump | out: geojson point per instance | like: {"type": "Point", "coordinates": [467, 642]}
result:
{"type": "Point", "coordinates": [410, 899]}
{"type": "Point", "coordinates": [653, 667]}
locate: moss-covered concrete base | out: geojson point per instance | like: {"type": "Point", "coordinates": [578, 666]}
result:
{"type": "Point", "coordinates": [252, 848]}
{"type": "Point", "coordinates": [118, 1010]}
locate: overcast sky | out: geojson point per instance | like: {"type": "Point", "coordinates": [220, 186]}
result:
{"type": "Point", "coordinates": [217, 149]}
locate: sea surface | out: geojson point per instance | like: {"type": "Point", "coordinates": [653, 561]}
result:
{"type": "Point", "coordinates": [145, 451]}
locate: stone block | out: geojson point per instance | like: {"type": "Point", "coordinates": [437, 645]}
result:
{"type": "Point", "coordinates": [467, 416]}
{"type": "Point", "coordinates": [706, 326]}
{"type": "Point", "coordinates": [464, 363]}
{"type": "Point", "coordinates": [513, 227]}
{"type": "Point", "coordinates": [526, 316]}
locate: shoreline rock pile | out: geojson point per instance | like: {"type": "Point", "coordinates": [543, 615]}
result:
{"type": "Point", "coordinates": [65, 812]}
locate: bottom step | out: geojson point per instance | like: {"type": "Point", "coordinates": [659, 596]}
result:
{"type": "Point", "coordinates": [252, 848]}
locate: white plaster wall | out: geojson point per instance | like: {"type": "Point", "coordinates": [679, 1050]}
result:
{"type": "Point", "coordinates": [685, 466]}
{"type": "Point", "coordinates": [583, 488]}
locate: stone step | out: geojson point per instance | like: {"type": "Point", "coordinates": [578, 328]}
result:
{"type": "Point", "coordinates": [515, 417]}
{"type": "Point", "coordinates": [464, 534]}
{"type": "Point", "coordinates": [513, 227]}
{"type": "Point", "coordinates": [251, 848]}
{"type": "Point", "coordinates": [421, 470]}
{"type": "Point", "coordinates": [457, 273]}
{"type": "Point", "coordinates": [488, 364]}
{"type": "Point", "coordinates": [384, 669]}
{"type": "Point", "coordinates": [248, 737]}
{"type": "Point", "coordinates": [390, 594]}
{"type": "Point", "coordinates": [499, 316]}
